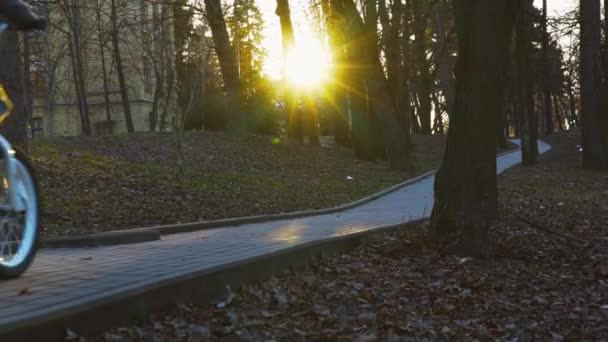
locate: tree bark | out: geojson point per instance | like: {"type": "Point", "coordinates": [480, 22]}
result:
{"type": "Point", "coordinates": [528, 119]}
{"type": "Point", "coordinates": [465, 186]}
{"type": "Point", "coordinates": [124, 95]}
{"type": "Point", "coordinates": [14, 129]}
{"type": "Point", "coordinates": [595, 133]}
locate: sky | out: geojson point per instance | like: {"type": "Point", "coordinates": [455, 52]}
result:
{"type": "Point", "coordinates": [557, 6]}
{"type": "Point", "coordinates": [303, 30]}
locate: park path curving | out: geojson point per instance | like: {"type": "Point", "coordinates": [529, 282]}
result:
{"type": "Point", "coordinates": [64, 284]}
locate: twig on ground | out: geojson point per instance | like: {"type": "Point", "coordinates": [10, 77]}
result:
{"type": "Point", "coordinates": [552, 231]}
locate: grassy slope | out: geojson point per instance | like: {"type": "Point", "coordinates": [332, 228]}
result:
{"type": "Point", "coordinates": [97, 184]}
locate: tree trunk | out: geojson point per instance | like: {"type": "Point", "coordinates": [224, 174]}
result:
{"type": "Point", "coordinates": [423, 84]}
{"type": "Point", "coordinates": [558, 117]}
{"type": "Point", "coordinates": [50, 84]}
{"type": "Point", "coordinates": [27, 93]}
{"type": "Point", "coordinates": [228, 63]}
{"type": "Point", "coordinates": [15, 127]}
{"type": "Point", "coordinates": [395, 138]}
{"type": "Point", "coordinates": [102, 55]}
{"type": "Point", "coordinates": [294, 119]}
{"type": "Point", "coordinates": [528, 120]}
{"type": "Point", "coordinates": [572, 101]}
{"type": "Point", "coordinates": [405, 97]}
{"type": "Point", "coordinates": [595, 134]}
{"type": "Point", "coordinates": [546, 72]}
{"type": "Point", "coordinates": [445, 64]}
{"type": "Point", "coordinates": [339, 120]}
{"type": "Point", "coordinates": [359, 113]}
{"type": "Point", "coordinates": [72, 12]}
{"type": "Point", "coordinates": [465, 186]}
{"type": "Point", "coordinates": [605, 54]}
{"type": "Point", "coordinates": [394, 61]}
{"type": "Point", "coordinates": [311, 110]}
{"type": "Point", "coordinates": [168, 66]}
{"type": "Point", "coordinates": [124, 95]}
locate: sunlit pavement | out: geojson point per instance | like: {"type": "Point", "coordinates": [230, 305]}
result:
{"type": "Point", "coordinates": [75, 278]}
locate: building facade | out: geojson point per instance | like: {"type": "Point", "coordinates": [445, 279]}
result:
{"type": "Point", "coordinates": [74, 68]}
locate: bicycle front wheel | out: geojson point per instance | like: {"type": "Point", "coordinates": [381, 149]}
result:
{"type": "Point", "coordinates": [19, 231]}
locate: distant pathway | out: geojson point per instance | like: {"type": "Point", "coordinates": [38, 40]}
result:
{"type": "Point", "coordinates": [72, 278]}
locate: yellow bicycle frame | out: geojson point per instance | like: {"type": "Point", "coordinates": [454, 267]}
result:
{"type": "Point", "coordinates": [7, 102]}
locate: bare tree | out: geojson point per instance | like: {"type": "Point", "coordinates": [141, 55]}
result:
{"type": "Point", "coordinates": [124, 95]}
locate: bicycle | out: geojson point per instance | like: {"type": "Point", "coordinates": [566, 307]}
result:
{"type": "Point", "coordinates": [19, 202]}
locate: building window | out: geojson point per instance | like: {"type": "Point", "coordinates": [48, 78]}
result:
{"type": "Point", "coordinates": [37, 127]}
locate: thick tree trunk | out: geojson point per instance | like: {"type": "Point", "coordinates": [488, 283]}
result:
{"type": "Point", "coordinates": [546, 73]}
{"type": "Point", "coordinates": [124, 95]}
{"type": "Point", "coordinates": [528, 119]}
{"type": "Point", "coordinates": [595, 134]}
{"type": "Point", "coordinates": [423, 83]}
{"type": "Point", "coordinates": [228, 63]}
{"type": "Point", "coordinates": [15, 127]}
{"type": "Point", "coordinates": [465, 186]}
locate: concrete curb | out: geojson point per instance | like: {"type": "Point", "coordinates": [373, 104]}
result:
{"type": "Point", "coordinates": [115, 238]}
{"type": "Point", "coordinates": [201, 288]}
{"type": "Point", "coordinates": [137, 235]}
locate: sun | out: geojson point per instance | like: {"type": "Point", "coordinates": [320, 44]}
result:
{"type": "Point", "coordinates": [308, 64]}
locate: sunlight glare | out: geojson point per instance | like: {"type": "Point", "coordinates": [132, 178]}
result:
{"type": "Point", "coordinates": [308, 64]}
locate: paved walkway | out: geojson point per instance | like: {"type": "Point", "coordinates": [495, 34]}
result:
{"type": "Point", "coordinates": [65, 278]}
